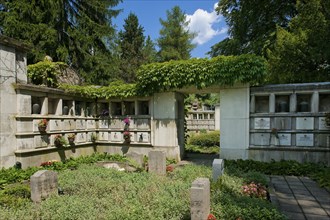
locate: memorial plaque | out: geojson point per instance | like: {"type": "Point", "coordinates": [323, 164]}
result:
{"type": "Point", "coordinates": [91, 124]}
{"type": "Point", "coordinates": [143, 137]}
{"type": "Point", "coordinates": [304, 140]}
{"type": "Point", "coordinates": [260, 139]}
{"type": "Point", "coordinates": [322, 124]}
{"type": "Point", "coordinates": [104, 123]}
{"type": "Point", "coordinates": [284, 139]}
{"type": "Point", "coordinates": [103, 136]}
{"type": "Point", "coordinates": [262, 123]}
{"type": "Point", "coordinates": [69, 124]}
{"type": "Point", "coordinates": [116, 124]}
{"type": "Point", "coordinates": [322, 140]}
{"type": "Point", "coordinates": [55, 125]}
{"type": "Point", "coordinates": [80, 124]}
{"type": "Point", "coordinates": [116, 136]}
{"type": "Point", "coordinates": [81, 137]}
{"type": "Point", "coordinates": [305, 123]}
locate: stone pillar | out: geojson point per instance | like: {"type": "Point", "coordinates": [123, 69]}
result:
{"type": "Point", "coordinates": [157, 162]}
{"type": "Point", "coordinates": [315, 102]}
{"type": "Point", "coordinates": [218, 166]}
{"type": "Point", "coordinates": [43, 184]}
{"type": "Point", "coordinates": [253, 104]}
{"type": "Point", "coordinates": [293, 102]}
{"type": "Point", "coordinates": [272, 103]}
{"type": "Point", "coordinates": [235, 121]}
{"type": "Point", "coordinates": [200, 199]}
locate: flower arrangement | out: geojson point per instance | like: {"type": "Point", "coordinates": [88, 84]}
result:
{"type": "Point", "coordinates": [42, 125]}
{"type": "Point", "coordinates": [275, 132]}
{"type": "Point", "coordinates": [59, 140]}
{"type": "Point", "coordinates": [254, 190]}
{"type": "Point", "coordinates": [126, 134]}
{"type": "Point", "coordinates": [71, 137]}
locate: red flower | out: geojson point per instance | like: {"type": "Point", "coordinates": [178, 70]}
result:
{"type": "Point", "coordinates": [211, 217]}
{"type": "Point", "coordinates": [169, 168]}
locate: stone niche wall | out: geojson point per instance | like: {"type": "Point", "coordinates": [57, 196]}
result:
{"type": "Point", "coordinates": [85, 118]}
{"type": "Point", "coordinates": [287, 122]}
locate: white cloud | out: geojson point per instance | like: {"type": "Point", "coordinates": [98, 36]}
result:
{"type": "Point", "coordinates": [202, 23]}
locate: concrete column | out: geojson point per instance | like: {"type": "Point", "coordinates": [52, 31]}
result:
{"type": "Point", "coordinates": [315, 102]}
{"type": "Point", "coordinates": [234, 122]}
{"type": "Point", "coordinates": [272, 103]}
{"type": "Point", "coordinates": [293, 102]}
{"type": "Point", "coordinates": [253, 104]}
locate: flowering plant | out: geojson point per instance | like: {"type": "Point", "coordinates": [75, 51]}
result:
{"type": "Point", "coordinates": [48, 163]}
{"type": "Point", "coordinates": [211, 217]}
{"type": "Point", "coordinates": [71, 136]}
{"type": "Point", "coordinates": [127, 135]}
{"type": "Point", "coordinates": [59, 140]}
{"type": "Point", "coordinates": [255, 190]}
{"type": "Point", "coordinates": [43, 123]}
{"type": "Point", "coordinates": [126, 121]}
{"type": "Point", "coordinates": [169, 168]}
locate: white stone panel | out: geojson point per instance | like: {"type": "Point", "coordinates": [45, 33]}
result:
{"type": "Point", "coordinates": [322, 124]}
{"type": "Point", "coordinates": [24, 126]}
{"type": "Point", "coordinates": [41, 141]}
{"type": "Point", "coordinates": [104, 136]}
{"type": "Point", "coordinates": [164, 105]}
{"type": "Point", "coordinates": [55, 125]}
{"type": "Point", "coordinates": [69, 124]}
{"type": "Point", "coordinates": [116, 136]}
{"type": "Point", "coordinates": [284, 139]}
{"type": "Point", "coordinates": [305, 140]}
{"type": "Point", "coordinates": [142, 123]}
{"type": "Point", "coordinates": [91, 124]}
{"type": "Point", "coordinates": [80, 124]}
{"type": "Point", "coordinates": [116, 123]}
{"type": "Point", "coordinates": [305, 123]}
{"type": "Point", "coordinates": [81, 137]}
{"type": "Point", "coordinates": [143, 137]}
{"type": "Point", "coordinates": [25, 143]}
{"type": "Point", "coordinates": [104, 124]}
{"type": "Point", "coordinates": [23, 104]}
{"type": "Point", "coordinates": [262, 123]}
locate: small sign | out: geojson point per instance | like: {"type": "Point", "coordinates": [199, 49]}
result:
{"type": "Point", "coordinates": [305, 140]}
{"type": "Point", "coordinates": [284, 139]}
{"type": "Point", "coordinates": [116, 136]}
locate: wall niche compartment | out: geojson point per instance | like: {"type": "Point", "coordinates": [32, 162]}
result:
{"type": "Point", "coordinates": [143, 108]}
{"type": "Point", "coordinates": [262, 104]}
{"type": "Point", "coordinates": [282, 103]}
{"type": "Point", "coordinates": [324, 102]}
{"type": "Point", "coordinates": [304, 102]}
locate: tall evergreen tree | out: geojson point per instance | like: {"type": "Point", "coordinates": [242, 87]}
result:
{"type": "Point", "coordinates": [131, 42]}
{"type": "Point", "coordinates": [175, 39]}
{"type": "Point", "coordinates": [78, 32]}
{"type": "Point", "coordinates": [149, 51]}
{"type": "Point", "coordinates": [252, 24]}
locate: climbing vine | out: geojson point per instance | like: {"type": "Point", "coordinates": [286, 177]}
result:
{"type": "Point", "coordinates": [160, 77]}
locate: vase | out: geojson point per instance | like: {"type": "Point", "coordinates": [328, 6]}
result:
{"type": "Point", "coordinates": [65, 110]}
{"type": "Point", "coordinates": [36, 108]}
{"type": "Point", "coordinates": [57, 143]}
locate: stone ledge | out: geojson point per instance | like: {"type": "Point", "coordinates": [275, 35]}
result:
{"type": "Point", "coordinates": [292, 148]}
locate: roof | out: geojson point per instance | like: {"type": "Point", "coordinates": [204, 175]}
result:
{"type": "Point", "coordinates": [11, 42]}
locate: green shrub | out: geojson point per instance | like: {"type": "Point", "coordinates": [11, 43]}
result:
{"type": "Point", "coordinates": [15, 195]}
{"type": "Point", "coordinates": [209, 139]}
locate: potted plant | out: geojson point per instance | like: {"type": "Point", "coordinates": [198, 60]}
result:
{"type": "Point", "coordinates": [59, 140]}
{"type": "Point", "coordinates": [71, 138]}
{"type": "Point", "coordinates": [42, 125]}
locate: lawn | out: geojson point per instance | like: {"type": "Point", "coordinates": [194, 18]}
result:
{"type": "Point", "coordinates": [93, 192]}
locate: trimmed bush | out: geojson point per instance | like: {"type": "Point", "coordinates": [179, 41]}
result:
{"type": "Point", "coordinates": [209, 139]}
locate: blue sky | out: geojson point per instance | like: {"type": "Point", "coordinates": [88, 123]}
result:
{"type": "Point", "coordinates": [204, 21]}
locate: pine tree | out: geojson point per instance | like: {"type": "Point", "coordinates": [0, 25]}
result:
{"type": "Point", "coordinates": [131, 41]}
{"type": "Point", "coordinates": [149, 51]}
{"type": "Point", "coordinates": [78, 32]}
{"type": "Point", "coordinates": [175, 39]}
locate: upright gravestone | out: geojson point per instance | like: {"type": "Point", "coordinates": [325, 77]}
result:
{"type": "Point", "coordinates": [217, 168]}
{"type": "Point", "coordinates": [157, 162]}
{"type": "Point", "coordinates": [137, 158]}
{"type": "Point", "coordinates": [43, 184]}
{"type": "Point", "coordinates": [200, 199]}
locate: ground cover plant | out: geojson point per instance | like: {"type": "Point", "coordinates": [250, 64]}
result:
{"type": "Point", "coordinates": [204, 142]}
{"type": "Point", "coordinates": [93, 192]}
